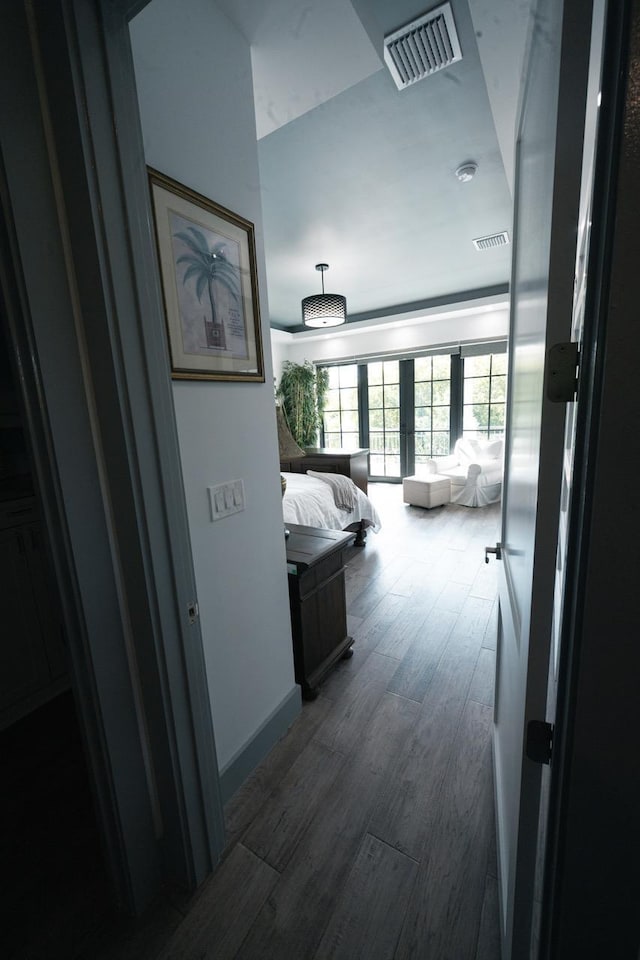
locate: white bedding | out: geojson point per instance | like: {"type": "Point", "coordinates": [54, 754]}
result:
{"type": "Point", "coordinates": [310, 501]}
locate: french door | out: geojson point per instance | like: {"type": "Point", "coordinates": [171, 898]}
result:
{"type": "Point", "coordinates": [387, 406]}
{"type": "Point", "coordinates": [399, 409]}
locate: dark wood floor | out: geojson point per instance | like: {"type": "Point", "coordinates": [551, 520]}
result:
{"type": "Point", "coordinates": [368, 831]}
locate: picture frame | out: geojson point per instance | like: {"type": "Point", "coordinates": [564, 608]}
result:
{"type": "Point", "coordinates": [207, 261]}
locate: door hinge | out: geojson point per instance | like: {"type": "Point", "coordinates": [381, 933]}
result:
{"type": "Point", "coordinates": [539, 741]}
{"type": "Point", "coordinates": [562, 372]}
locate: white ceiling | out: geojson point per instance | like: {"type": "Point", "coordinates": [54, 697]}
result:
{"type": "Point", "coordinates": [289, 42]}
{"type": "Point", "coordinates": [501, 28]}
{"type": "Point", "coordinates": [362, 176]}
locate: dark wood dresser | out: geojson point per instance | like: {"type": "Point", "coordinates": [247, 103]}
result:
{"type": "Point", "coordinates": [317, 602]}
{"type": "Point", "coordinates": [350, 463]}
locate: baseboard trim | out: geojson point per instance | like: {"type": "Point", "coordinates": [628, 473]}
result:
{"type": "Point", "coordinates": [244, 762]}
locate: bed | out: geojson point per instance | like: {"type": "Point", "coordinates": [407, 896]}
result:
{"type": "Point", "coordinates": [310, 499]}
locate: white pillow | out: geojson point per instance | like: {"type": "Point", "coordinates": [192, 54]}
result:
{"type": "Point", "coordinates": [467, 450]}
{"type": "Point", "coordinates": [493, 450]}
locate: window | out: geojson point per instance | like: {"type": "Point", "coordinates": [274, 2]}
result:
{"type": "Point", "coordinates": [484, 394]}
{"type": "Point", "coordinates": [407, 411]}
{"type": "Point", "coordinates": [432, 404]}
{"type": "Point", "coordinates": [340, 419]}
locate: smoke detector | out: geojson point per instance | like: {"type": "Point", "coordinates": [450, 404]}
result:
{"type": "Point", "coordinates": [466, 171]}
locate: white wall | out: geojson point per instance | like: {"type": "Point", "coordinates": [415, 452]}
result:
{"type": "Point", "coordinates": [193, 71]}
{"type": "Point", "coordinates": [280, 345]}
{"type": "Point", "coordinates": [361, 339]}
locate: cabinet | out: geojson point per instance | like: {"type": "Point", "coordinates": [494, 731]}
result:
{"type": "Point", "coordinates": [350, 463]}
{"type": "Point", "coordinates": [317, 603]}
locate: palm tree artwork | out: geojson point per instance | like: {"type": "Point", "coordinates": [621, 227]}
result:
{"type": "Point", "coordinates": [206, 267]}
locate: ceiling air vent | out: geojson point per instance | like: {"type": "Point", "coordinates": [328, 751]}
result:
{"type": "Point", "coordinates": [495, 240]}
{"type": "Point", "coordinates": [422, 47]}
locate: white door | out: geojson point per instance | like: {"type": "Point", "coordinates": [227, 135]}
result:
{"type": "Point", "coordinates": [567, 481]}
{"type": "Point", "coordinates": [547, 195]}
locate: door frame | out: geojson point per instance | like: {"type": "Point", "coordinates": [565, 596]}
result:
{"type": "Point", "coordinates": [591, 883]}
{"type": "Point", "coordinates": [106, 446]}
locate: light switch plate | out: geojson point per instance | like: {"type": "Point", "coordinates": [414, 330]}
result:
{"type": "Point", "coordinates": [226, 498]}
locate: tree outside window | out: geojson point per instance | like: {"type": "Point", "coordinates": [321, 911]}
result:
{"type": "Point", "coordinates": [484, 396]}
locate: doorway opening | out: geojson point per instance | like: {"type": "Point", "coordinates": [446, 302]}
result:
{"type": "Point", "coordinates": [55, 883]}
{"type": "Point", "coordinates": [56, 889]}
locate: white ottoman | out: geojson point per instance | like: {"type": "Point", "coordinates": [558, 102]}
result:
{"type": "Point", "coordinates": [428, 491]}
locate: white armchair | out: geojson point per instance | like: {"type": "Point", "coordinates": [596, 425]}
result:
{"type": "Point", "coordinates": [475, 469]}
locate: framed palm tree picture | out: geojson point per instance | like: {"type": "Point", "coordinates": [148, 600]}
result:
{"type": "Point", "coordinates": [207, 264]}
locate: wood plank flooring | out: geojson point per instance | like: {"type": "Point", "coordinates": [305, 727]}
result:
{"type": "Point", "coordinates": [368, 831]}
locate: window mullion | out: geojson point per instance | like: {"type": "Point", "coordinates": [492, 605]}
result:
{"type": "Point", "coordinates": [363, 405]}
{"type": "Point", "coordinates": [407, 417]}
{"type": "Point", "coordinates": [457, 394]}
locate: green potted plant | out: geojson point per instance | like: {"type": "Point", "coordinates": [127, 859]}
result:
{"type": "Point", "coordinates": [303, 394]}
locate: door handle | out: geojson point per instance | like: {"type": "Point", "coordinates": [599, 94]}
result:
{"type": "Point", "coordinates": [497, 550]}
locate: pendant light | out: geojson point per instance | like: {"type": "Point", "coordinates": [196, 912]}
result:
{"type": "Point", "coordinates": [324, 309]}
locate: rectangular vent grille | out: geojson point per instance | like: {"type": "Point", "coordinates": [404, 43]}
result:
{"type": "Point", "coordinates": [422, 47]}
{"type": "Point", "coordinates": [495, 240]}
